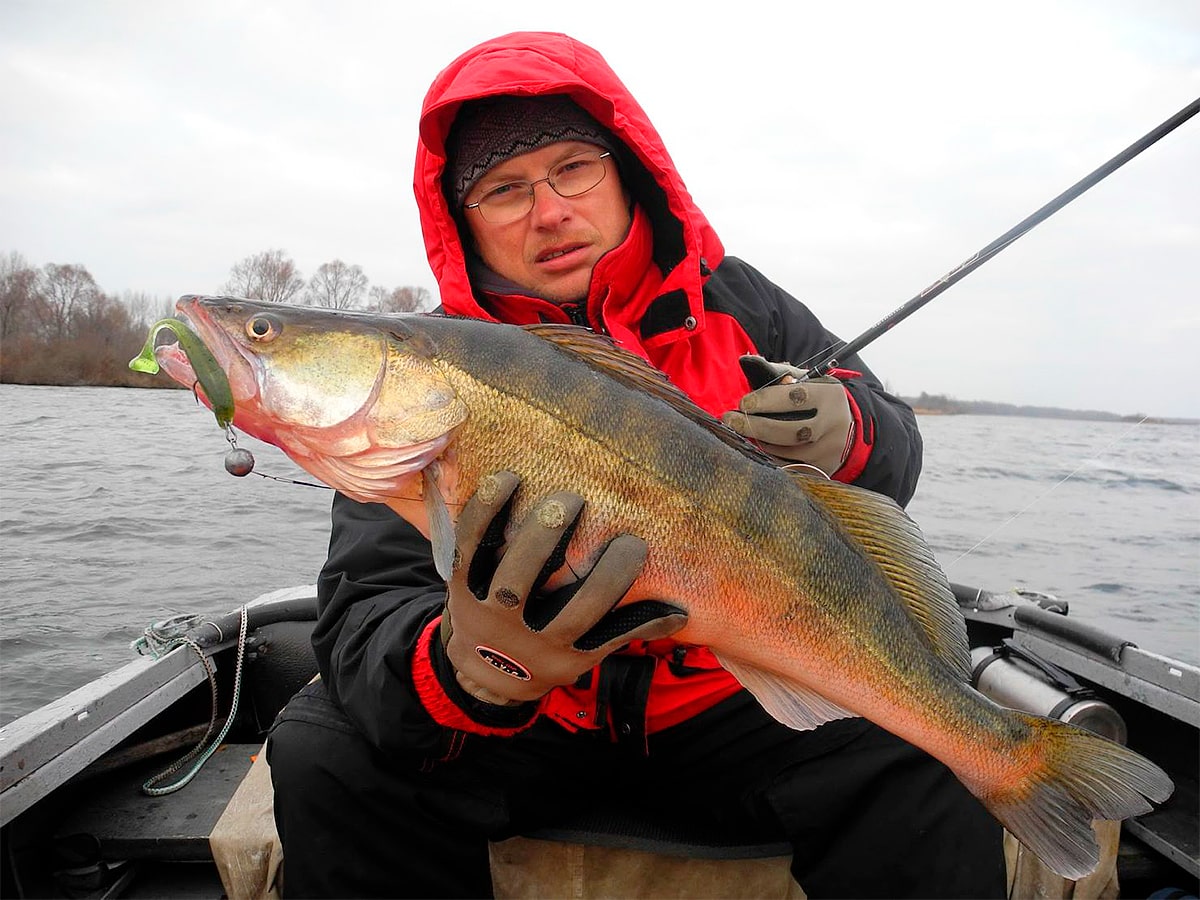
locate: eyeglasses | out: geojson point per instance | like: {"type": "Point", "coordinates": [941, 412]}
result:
{"type": "Point", "coordinates": [508, 202]}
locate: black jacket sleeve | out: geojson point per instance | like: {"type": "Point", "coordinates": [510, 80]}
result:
{"type": "Point", "coordinates": [376, 594]}
{"type": "Point", "coordinates": [785, 330]}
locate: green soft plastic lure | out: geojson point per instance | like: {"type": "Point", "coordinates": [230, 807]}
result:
{"type": "Point", "coordinates": [209, 375]}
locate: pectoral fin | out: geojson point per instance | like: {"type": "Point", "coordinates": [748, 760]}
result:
{"type": "Point", "coordinates": [441, 529]}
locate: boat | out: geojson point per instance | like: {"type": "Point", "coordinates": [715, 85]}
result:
{"type": "Point", "coordinates": [115, 789]}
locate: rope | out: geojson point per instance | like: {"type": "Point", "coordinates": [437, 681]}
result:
{"type": "Point", "coordinates": [160, 639]}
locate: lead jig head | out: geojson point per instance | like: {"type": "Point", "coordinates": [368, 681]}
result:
{"type": "Point", "coordinates": [239, 462]}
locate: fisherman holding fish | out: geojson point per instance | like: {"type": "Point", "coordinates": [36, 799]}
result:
{"type": "Point", "coordinates": [440, 722]}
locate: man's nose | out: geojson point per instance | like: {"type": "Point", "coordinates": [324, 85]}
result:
{"type": "Point", "coordinates": [548, 205]}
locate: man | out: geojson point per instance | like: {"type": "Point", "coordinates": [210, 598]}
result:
{"type": "Point", "coordinates": [441, 721]}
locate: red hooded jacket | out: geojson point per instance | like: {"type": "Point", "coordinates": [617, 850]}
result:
{"type": "Point", "coordinates": [668, 293]}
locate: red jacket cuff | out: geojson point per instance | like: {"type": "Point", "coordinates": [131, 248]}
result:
{"type": "Point", "coordinates": [437, 702]}
{"type": "Point", "coordinates": [860, 450]}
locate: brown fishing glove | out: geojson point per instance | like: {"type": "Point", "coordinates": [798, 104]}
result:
{"type": "Point", "coordinates": [507, 641]}
{"type": "Point", "coordinates": [808, 422]}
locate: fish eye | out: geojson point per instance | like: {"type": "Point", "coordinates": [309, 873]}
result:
{"type": "Point", "coordinates": [263, 328]}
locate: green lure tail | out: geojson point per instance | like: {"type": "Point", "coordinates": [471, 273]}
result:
{"type": "Point", "coordinates": [209, 374]}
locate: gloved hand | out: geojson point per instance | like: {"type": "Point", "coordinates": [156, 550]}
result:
{"type": "Point", "coordinates": [807, 422]}
{"type": "Point", "coordinates": [509, 643]}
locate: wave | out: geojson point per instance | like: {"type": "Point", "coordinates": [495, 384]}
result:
{"type": "Point", "coordinates": [1136, 481]}
{"type": "Point", "coordinates": [1106, 587]}
{"type": "Point", "coordinates": [1107, 479]}
{"type": "Point", "coordinates": [162, 528]}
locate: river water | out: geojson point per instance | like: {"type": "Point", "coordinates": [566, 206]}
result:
{"type": "Point", "coordinates": [116, 511]}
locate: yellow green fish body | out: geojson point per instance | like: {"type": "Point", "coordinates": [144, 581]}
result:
{"type": "Point", "coordinates": [821, 598]}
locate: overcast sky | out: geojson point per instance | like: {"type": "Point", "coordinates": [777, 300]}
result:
{"type": "Point", "coordinates": [854, 152]}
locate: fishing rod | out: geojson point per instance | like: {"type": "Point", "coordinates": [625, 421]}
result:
{"type": "Point", "coordinates": [965, 268]}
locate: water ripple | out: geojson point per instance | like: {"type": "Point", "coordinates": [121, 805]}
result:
{"type": "Point", "coordinates": [116, 511]}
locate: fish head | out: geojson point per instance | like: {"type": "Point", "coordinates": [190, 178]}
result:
{"type": "Point", "coordinates": [356, 400]}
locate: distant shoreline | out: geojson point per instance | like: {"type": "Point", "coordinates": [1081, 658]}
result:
{"type": "Point", "coordinates": [924, 405]}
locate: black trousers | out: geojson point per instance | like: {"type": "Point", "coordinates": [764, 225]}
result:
{"type": "Point", "coordinates": [867, 814]}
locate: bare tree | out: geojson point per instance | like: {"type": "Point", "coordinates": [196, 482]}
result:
{"type": "Point", "coordinates": [18, 283]}
{"type": "Point", "coordinates": [62, 292]}
{"type": "Point", "coordinates": [336, 286]}
{"type": "Point", "coordinates": [400, 300]}
{"type": "Point", "coordinates": [146, 309]}
{"type": "Point", "coordinates": [270, 275]}
{"type": "Point", "coordinates": [104, 321]}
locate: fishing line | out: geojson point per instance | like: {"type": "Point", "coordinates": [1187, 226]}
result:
{"type": "Point", "coordinates": [1044, 494]}
{"type": "Point", "coordinates": [283, 480]}
{"type": "Point", "coordinates": [239, 462]}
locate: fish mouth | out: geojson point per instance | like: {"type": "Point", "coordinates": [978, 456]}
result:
{"type": "Point", "coordinates": [238, 368]}
{"type": "Point", "coordinates": [307, 400]}
{"type": "Point", "coordinates": [175, 363]}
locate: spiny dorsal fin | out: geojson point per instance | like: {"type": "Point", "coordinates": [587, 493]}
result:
{"type": "Point", "coordinates": [889, 537]}
{"type": "Point", "coordinates": [606, 355]}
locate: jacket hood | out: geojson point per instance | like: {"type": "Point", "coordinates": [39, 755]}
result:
{"type": "Point", "coordinates": [686, 249]}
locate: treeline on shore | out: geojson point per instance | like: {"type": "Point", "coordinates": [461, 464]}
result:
{"type": "Point", "coordinates": [941, 405]}
{"type": "Point", "coordinates": [59, 327]}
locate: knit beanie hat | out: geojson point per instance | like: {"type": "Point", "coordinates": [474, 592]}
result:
{"type": "Point", "coordinates": [489, 131]}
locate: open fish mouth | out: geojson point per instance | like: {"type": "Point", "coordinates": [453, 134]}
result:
{"type": "Point", "coordinates": [175, 362]}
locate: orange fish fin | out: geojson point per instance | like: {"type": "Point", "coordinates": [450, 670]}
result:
{"type": "Point", "coordinates": [894, 542]}
{"type": "Point", "coordinates": [606, 355]}
{"type": "Point", "coordinates": [1082, 777]}
{"type": "Point", "coordinates": [792, 704]}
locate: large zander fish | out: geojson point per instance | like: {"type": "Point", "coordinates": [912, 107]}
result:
{"type": "Point", "coordinates": [822, 599]}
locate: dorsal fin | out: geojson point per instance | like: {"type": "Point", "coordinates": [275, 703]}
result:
{"type": "Point", "coordinates": [889, 537]}
{"type": "Point", "coordinates": [606, 355]}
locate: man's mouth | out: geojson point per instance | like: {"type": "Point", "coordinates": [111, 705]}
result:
{"type": "Point", "coordinates": [558, 252]}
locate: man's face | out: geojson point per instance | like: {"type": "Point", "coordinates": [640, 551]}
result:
{"type": "Point", "coordinates": [551, 251]}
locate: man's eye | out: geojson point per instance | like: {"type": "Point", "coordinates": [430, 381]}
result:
{"type": "Point", "coordinates": [505, 190]}
{"type": "Point", "coordinates": [573, 165]}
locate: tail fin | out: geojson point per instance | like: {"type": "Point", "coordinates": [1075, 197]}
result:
{"type": "Point", "coordinates": [1084, 777]}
